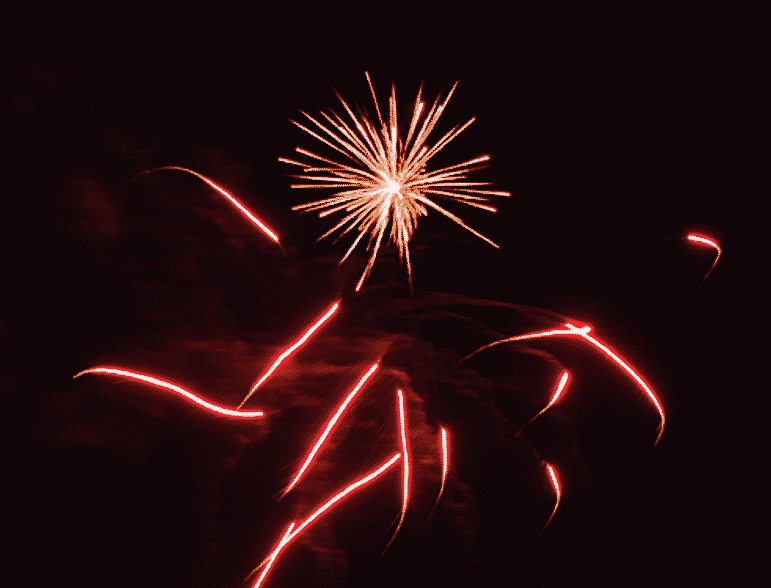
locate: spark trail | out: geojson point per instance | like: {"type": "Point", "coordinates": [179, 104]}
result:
{"type": "Point", "coordinates": [710, 243]}
{"type": "Point", "coordinates": [583, 332]}
{"type": "Point", "coordinates": [245, 211]}
{"type": "Point", "coordinates": [330, 425]}
{"type": "Point", "coordinates": [406, 466]}
{"type": "Point", "coordinates": [556, 485]}
{"type": "Point", "coordinates": [387, 181]}
{"type": "Point", "coordinates": [327, 505]}
{"type": "Point", "coordinates": [174, 388]}
{"type": "Point", "coordinates": [556, 396]}
{"type": "Point", "coordinates": [290, 350]}
{"type": "Point", "coordinates": [445, 463]}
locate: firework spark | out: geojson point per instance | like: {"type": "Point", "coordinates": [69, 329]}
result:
{"type": "Point", "coordinates": [710, 243]}
{"type": "Point", "coordinates": [274, 555]}
{"type": "Point", "coordinates": [556, 484]}
{"type": "Point", "coordinates": [583, 332]}
{"type": "Point", "coordinates": [245, 211]}
{"type": "Point", "coordinates": [327, 505]}
{"type": "Point", "coordinates": [291, 349]}
{"type": "Point", "coordinates": [406, 467]}
{"type": "Point", "coordinates": [174, 388]}
{"type": "Point", "coordinates": [387, 181]}
{"type": "Point", "coordinates": [445, 462]}
{"type": "Point", "coordinates": [556, 396]}
{"type": "Point", "coordinates": [330, 425]}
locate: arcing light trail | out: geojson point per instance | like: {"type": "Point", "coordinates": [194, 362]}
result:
{"type": "Point", "coordinates": [245, 211]}
{"type": "Point", "coordinates": [556, 485]}
{"type": "Point", "coordinates": [710, 243]}
{"type": "Point", "coordinates": [327, 505]}
{"type": "Point", "coordinates": [557, 393]}
{"type": "Point", "coordinates": [330, 425]}
{"type": "Point", "coordinates": [291, 349]}
{"type": "Point", "coordinates": [583, 332]}
{"type": "Point", "coordinates": [445, 464]}
{"type": "Point", "coordinates": [387, 181]}
{"type": "Point", "coordinates": [174, 388]}
{"type": "Point", "coordinates": [404, 435]}
{"type": "Point", "coordinates": [273, 556]}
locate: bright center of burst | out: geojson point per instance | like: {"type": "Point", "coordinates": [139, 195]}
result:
{"type": "Point", "coordinates": [392, 187]}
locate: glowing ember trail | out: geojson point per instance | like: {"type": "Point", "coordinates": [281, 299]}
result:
{"type": "Point", "coordinates": [445, 462]}
{"type": "Point", "coordinates": [583, 332]}
{"type": "Point", "coordinates": [387, 181]}
{"type": "Point", "coordinates": [174, 388]}
{"type": "Point", "coordinates": [556, 484]}
{"type": "Point", "coordinates": [406, 467]}
{"type": "Point", "coordinates": [330, 425]}
{"type": "Point", "coordinates": [273, 557]}
{"type": "Point", "coordinates": [329, 504]}
{"type": "Point", "coordinates": [245, 211]}
{"type": "Point", "coordinates": [557, 393]}
{"type": "Point", "coordinates": [291, 349]}
{"type": "Point", "coordinates": [711, 243]}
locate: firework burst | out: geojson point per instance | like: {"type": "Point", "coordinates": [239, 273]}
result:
{"type": "Point", "coordinates": [387, 181]}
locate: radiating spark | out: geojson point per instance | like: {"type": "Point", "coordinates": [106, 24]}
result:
{"type": "Point", "coordinates": [405, 468]}
{"type": "Point", "coordinates": [583, 332]}
{"type": "Point", "coordinates": [174, 388]}
{"type": "Point", "coordinates": [445, 462]}
{"type": "Point", "coordinates": [330, 425]}
{"type": "Point", "coordinates": [291, 349]}
{"type": "Point", "coordinates": [387, 180]}
{"type": "Point", "coordinates": [711, 243]}
{"type": "Point", "coordinates": [273, 556]}
{"type": "Point", "coordinates": [556, 484]}
{"type": "Point", "coordinates": [330, 503]}
{"type": "Point", "coordinates": [557, 393]}
{"type": "Point", "coordinates": [245, 211]}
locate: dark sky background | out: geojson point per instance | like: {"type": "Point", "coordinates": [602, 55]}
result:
{"type": "Point", "coordinates": [616, 135]}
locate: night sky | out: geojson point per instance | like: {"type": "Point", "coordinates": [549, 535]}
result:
{"type": "Point", "coordinates": [616, 134]}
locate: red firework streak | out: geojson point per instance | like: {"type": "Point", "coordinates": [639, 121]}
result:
{"type": "Point", "coordinates": [406, 469]}
{"type": "Point", "coordinates": [556, 484]}
{"type": "Point", "coordinates": [556, 396]}
{"type": "Point", "coordinates": [709, 243]}
{"type": "Point", "coordinates": [445, 464]}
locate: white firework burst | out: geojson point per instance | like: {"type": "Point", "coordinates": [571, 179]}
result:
{"type": "Point", "coordinates": [387, 181]}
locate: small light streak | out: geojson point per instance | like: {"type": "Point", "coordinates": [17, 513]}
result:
{"type": "Point", "coordinates": [330, 425]}
{"type": "Point", "coordinates": [445, 463]}
{"type": "Point", "coordinates": [405, 468]}
{"type": "Point", "coordinates": [245, 211]}
{"type": "Point", "coordinates": [174, 388]}
{"type": "Point", "coordinates": [556, 396]}
{"type": "Point", "coordinates": [330, 503]}
{"type": "Point", "coordinates": [710, 243]}
{"type": "Point", "coordinates": [291, 349]}
{"type": "Point", "coordinates": [274, 555]}
{"type": "Point", "coordinates": [556, 485]}
{"type": "Point", "coordinates": [583, 332]}
{"type": "Point", "coordinates": [386, 181]}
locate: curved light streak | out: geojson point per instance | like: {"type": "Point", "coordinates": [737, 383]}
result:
{"type": "Point", "coordinates": [386, 180]}
{"type": "Point", "coordinates": [445, 463]}
{"type": "Point", "coordinates": [583, 332]}
{"type": "Point", "coordinates": [273, 557]}
{"type": "Point", "coordinates": [710, 243]}
{"type": "Point", "coordinates": [556, 396]}
{"type": "Point", "coordinates": [556, 485]}
{"type": "Point", "coordinates": [290, 350]}
{"type": "Point", "coordinates": [174, 388]}
{"type": "Point", "coordinates": [245, 211]}
{"type": "Point", "coordinates": [329, 504]}
{"type": "Point", "coordinates": [406, 467]}
{"type": "Point", "coordinates": [330, 425]}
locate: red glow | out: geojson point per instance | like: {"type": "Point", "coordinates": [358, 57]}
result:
{"type": "Point", "coordinates": [406, 468]}
{"type": "Point", "coordinates": [274, 555]}
{"type": "Point", "coordinates": [330, 425]}
{"type": "Point", "coordinates": [710, 243]}
{"type": "Point", "coordinates": [557, 393]}
{"type": "Point", "coordinates": [174, 388]}
{"type": "Point", "coordinates": [445, 464]}
{"type": "Point", "coordinates": [291, 349]}
{"type": "Point", "coordinates": [583, 332]}
{"type": "Point", "coordinates": [330, 503]}
{"type": "Point", "coordinates": [245, 211]}
{"type": "Point", "coordinates": [556, 484]}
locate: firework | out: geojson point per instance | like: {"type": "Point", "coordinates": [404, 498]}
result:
{"type": "Point", "coordinates": [406, 467]}
{"type": "Point", "coordinates": [445, 463]}
{"type": "Point", "coordinates": [709, 243]}
{"type": "Point", "coordinates": [556, 396]}
{"type": "Point", "coordinates": [387, 180]}
{"type": "Point", "coordinates": [556, 485]}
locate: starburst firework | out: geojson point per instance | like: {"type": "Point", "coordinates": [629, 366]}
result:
{"type": "Point", "coordinates": [388, 181]}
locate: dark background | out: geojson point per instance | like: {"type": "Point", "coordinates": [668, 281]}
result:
{"type": "Point", "coordinates": [617, 135]}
